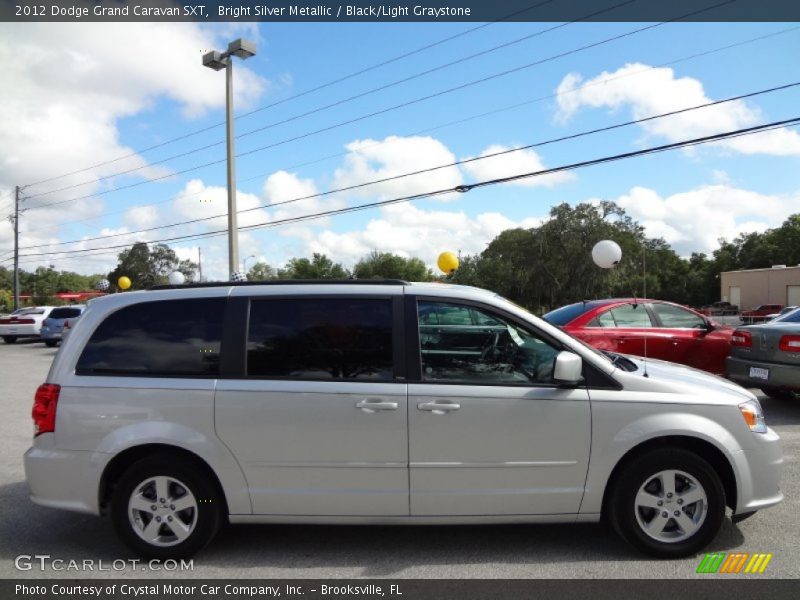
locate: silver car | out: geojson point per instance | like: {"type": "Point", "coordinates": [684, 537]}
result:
{"type": "Point", "coordinates": [178, 409]}
{"type": "Point", "coordinates": [767, 356]}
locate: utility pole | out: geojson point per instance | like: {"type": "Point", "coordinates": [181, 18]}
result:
{"type": "Point", "coordinates": [200, 264]}
{"type": "Point", "coordinates": [16, 248]}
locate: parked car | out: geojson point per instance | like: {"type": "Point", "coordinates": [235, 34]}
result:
{"type": "Point", "coordinates": [784, 311]}
{"type": "Point", "coordinates": [719, 309]}
{"type": "Point", "coordinates": [23, 322]}
{"type": "Point", "coordinates": [767, 356]}
{"type": "Point", "coordinates": [760, 313]}
{"type": "Point", "coordinates": [53, 325]}
{"type": "Point", "coordinates": [175, 409]}
{"type": "Point", "coordinates": [651, 328]}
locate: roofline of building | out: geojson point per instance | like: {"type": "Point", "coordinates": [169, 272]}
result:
{"type": "Point", "coordinates": [786, 268]}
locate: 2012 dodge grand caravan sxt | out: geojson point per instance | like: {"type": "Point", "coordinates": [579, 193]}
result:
{"type": "Point", "coordinates": [176, 409]}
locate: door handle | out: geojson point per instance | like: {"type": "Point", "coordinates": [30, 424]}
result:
{"type": "Point", "coordinates": [372, 406]}
{"type": "Point", "coordinates": [438, 408]}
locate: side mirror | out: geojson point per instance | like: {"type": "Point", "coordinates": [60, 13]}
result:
{"type": "Point", "coordinates": [568, 369]}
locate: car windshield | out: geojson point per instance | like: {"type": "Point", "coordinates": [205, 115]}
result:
{"type": "Point", "coordinates": [29, 311]}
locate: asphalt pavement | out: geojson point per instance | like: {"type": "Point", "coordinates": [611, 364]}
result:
{"type": "Point", "coordinates": [324, 552]}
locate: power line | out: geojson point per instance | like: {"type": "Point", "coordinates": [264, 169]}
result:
{"type": "Point", "coordinates": [467, 119]}
{"type": "Point", "coordinates": [332, 104]}
{"type": "Point", "coordinates": [461, 188]}
{"type": "Point", "coordinates": [391, 108]}
{"type": "Point", "coordinates": [436, 168]}
{"type": "Point", "coordinates": [299, 94]}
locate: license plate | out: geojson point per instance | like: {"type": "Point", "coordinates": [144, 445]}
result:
{"type": "Point", "coordinates": [759, 373]}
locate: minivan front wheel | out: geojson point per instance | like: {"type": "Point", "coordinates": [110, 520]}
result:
{"type": "Point", "coordinates": [668, 503]}
{"type": "Point", "coordinates": [164, 507]}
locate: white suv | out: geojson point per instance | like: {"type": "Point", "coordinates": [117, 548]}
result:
{"type": "Point", "coordinates": [176, 409]}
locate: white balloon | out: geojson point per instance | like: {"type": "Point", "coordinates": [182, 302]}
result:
{"type": "Point", "coordinates": [606, 254]}
{"type": "Point", "coordinates": [176, 278]}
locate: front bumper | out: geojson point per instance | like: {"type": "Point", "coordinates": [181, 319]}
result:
{"type": "Point", "coordinates": [759, 473]}
{"type": "Point", "coordinates": [738, 369]}
{"type": "Point", "coordinates": [65, 479]}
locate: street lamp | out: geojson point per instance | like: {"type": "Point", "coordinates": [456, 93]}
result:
{"type": "Point", "coordinates": [223, 60]}
{"type": "Point", "coordinates": [244, 263]}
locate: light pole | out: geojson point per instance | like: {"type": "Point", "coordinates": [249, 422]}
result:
{"type": "Point", "coordinates": [244, 262]}
{"type": "Point", "coordinates": [224, 60]}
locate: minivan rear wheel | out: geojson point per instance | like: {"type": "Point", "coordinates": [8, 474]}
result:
{"type": "Point", "coordinates": [163, 507]}
{"type": "Point", "coordinates": [10, 339]}
{"type": "Point", "coordinates": [668, 503]}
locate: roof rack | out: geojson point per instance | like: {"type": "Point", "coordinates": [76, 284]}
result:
{"type": "Point", "coordinates": [206, 284]}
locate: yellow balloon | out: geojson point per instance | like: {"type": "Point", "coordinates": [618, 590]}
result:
{"type": "Point", "coordinates": [124, 283]}
{"type": "Point", "coordinates": [448, 262]}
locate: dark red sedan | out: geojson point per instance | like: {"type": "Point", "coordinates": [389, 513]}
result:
{"type": "Point", "coordinates": [668, 331]}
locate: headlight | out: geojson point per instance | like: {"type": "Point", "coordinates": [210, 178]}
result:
{"type": "Point", "coordinates": [753, 416]}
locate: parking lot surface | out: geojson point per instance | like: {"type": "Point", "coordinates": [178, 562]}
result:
{"type": "Point", "coordinates": [266, 551]}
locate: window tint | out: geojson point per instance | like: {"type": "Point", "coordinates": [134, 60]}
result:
{"type": "Point", "coordinates": [565, 314]}
{"type": "Point", "coordinates": [631, 315]}
{"type": "Point", "coordinates": [168, 338]}
{"type": "Point", "coordinates": [321, 338]}
{"type": "Point", "coordinates": [492, 351]}
{"type": "Point", "coordinates": [65, 313]}
{"type": "Point", "coordinates": [676, 317]}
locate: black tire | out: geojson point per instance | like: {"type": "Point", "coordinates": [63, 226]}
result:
{"type": "Point", "coordinates": [51, 343]}
{"type": "Point", "coordinates": [625, 516]}
{"type": "Point", "coordinates": [779, 393]}
{"type": "Point", "coordinates": [10, 339]}
{"type": "Point", "coordinates": [194, 478]}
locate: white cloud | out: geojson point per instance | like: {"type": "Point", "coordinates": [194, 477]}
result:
{"type": "Point", "coordinates": [73, 82]}
{"type": "Point", "coordinates": [141, 217]}
{"type": "Point", "coordinates": [407, 230]}
{"type": "Point", "coordinates": [658, 90]}
{"type": "Point", "coordinates": [282, 186]}
{"type": "Point", "coordinates": [369, 160]}
{"type": "Point", "coordinates": [514, 163]}
{"type": "Point", "coordinates": [695, 220]}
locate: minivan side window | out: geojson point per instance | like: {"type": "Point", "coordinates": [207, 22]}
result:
{"type": "Point", "coordinates": [321, 338]}
{"type": "Point", "coordinates": [493, 351]}
{"type": "Point", "coordinates": [167, 338]}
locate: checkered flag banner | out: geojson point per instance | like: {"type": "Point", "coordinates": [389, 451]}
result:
{"type": "Point", "coordinates": [238, 276]}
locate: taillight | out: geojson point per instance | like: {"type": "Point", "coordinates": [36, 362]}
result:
{"type": "Point", "coordinates": [741, 338]}
{"type": "Point", "coordinates": [790, 343]}
{"type": "Point", "coordinates": [66, 324]}
{"type": "Point", "coordinates": [44, 408]}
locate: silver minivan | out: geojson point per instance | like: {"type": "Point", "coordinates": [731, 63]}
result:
{"type": "Point", "coordinates": [178, 409]}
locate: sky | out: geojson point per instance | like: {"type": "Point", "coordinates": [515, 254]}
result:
{"type": "Point", "coordinates": [116, 128]}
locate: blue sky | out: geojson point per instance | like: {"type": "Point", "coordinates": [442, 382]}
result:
{"type": "Point", "coordinates": [84, 96]}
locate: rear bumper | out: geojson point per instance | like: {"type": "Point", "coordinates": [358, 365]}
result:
{"type": "Point", "coordinates": [738, 369]}
{"type": "Point", "coordinates": [760, 470]}
{"type": "Point", "coordinates": [50, 334]}
{"type": "Point", "coordinates": [19, 330]}
{"type": "Point", "coordinates": [64, 479]}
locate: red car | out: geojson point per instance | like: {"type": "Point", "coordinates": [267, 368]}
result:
{"type": "Point", "coordinates": [760, 313]}
{"type": "Point", "coordinates": [669, 331]}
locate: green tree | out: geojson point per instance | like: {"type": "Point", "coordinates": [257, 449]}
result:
{"type": "Point", "coordinates": [261, 271]}
{"type": "Point", "coordinates": [146, 267]}
{"type": "Point", "coordinates": [385, 265]}
{"type": "Point", "coordinates": [319, 267]}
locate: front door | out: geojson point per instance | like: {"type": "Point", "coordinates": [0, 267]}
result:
{"type": "Point", "coordinates": [489, 431]}
{"type": "Point", "coordinates": [318, 421]}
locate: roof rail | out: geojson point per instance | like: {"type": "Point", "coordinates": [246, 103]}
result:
{"type": "Point", "coordinates": [206, 284]}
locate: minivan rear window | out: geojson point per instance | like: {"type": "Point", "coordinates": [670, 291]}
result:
{"type": "Point", "coordinates": [320, 338]}
{"type": "Point", "coordinates": [65, 313]}
{"type": "Point", "coordinates": [169, 338]}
